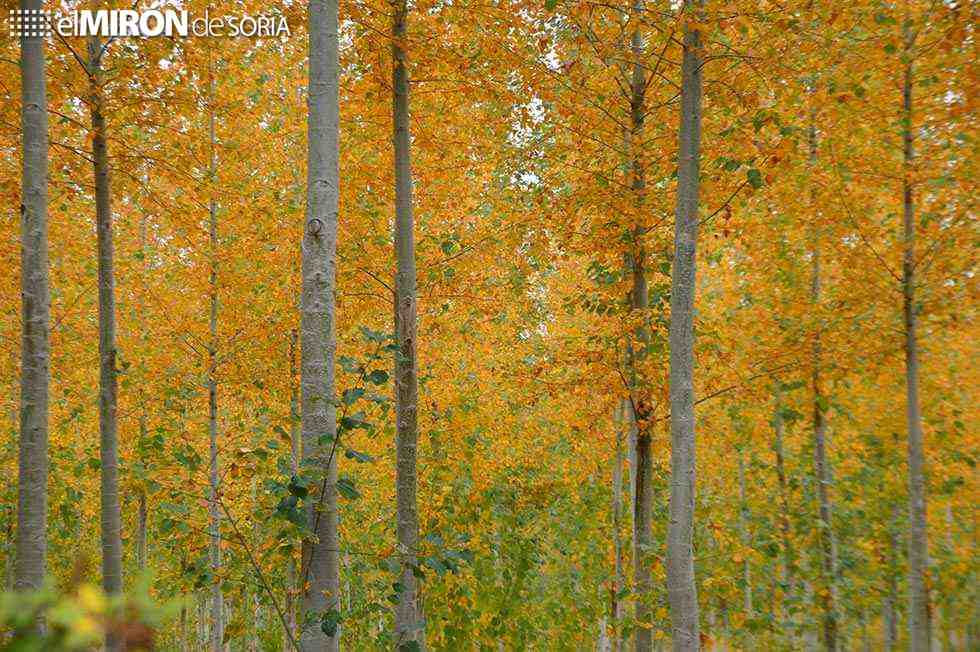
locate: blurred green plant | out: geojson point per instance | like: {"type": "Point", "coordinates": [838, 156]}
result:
{"type": "Point", "coordinates": [77, 619]}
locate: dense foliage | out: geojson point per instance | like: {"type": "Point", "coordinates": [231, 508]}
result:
{"type": "Point", "coordinates": [535, 366]}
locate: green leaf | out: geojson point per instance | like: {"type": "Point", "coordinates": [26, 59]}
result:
{"type": "Point", "coordinates": [351, 395]}
{"type": "Point", "coordinates": [823, 403]}
{"type": "Point", "coordinates": [410, 646]}
{"type": "Point", "coordinates": [346, 488]}
{"type": "Point", "coordinates": [279, 430]}
{"type": "Point", "coordinates": [352, 454]}
{"type": "Point", "coordinates": [378, 377]}
{"type": "Point", "coordinates": [348, 363]}
{"type": "Point", "coordinates": [353, 422]}
{"type": "Point", "coordinates": [330, 622]}
{"type": "Point", "coordinates": [550, 4]}
{"type": "Point", "coordinates": [298, 487]}
{"type": "Point", "coordinates": [287, 509]}
{"type": "Point", "coordinates": [373, 336]}
{"type": "Point", "coordinates": [754, 177]}
{"type": "Point", "coordinates": [435, 564]}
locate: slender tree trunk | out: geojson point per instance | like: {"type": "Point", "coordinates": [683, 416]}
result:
{"type": "Point", "coordinates": [141, 516]}
{"type": "Point", "coordinates": [889, 622]}
{"type": "Point", "coordinates": [681, 588]}
{"type": "Point", "coordinates": [890, 606]}
{"type": "Point", "coordinates": [952, 638]}
{"type": "Point", "coordinates": [619, 579]}
{"type": "Point", "coordinates": [603, 644]}
{"type": "Point", "coordinates": [631, 437]}
{"type": "Point", "coordinates": [743, 530]}
{"type": "Point", "coordinates": [32, 487]}
{"type": "Point", "coordinates": [111, 520]}
{"type": "Point", "coordinates": [810, 635]}
{"type": "Point", "coordinates": [292, 589]}
{"type": "Point", "coordinates": [865, 636]}
{"type": "Point", "coordinates": [255, 621]}
{"type": "Point", "coordinates": [828, 544]}
{"type": "Point", "coordinates": [789, 578]}
{"type": "Point", "coordinates": [918, 540]}
{"type": "Point", "coordinates": [409, 623]}
{"type": "Point", "coordinates": [639, 410]}
{"type": "Point", "coordinates": [182, 633]}
{"type": "Point", "coordinates": [214, 509]}
{"type": "Point", "coordinates": [202, 621]}
{"type": "Point", "coordinates": [320, 570]}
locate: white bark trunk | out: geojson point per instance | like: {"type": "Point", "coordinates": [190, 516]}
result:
{"type": "Point", "coordinates": [639, 414]}
{"type": "Point", "coordinates": [32, 488]}
{"type": "Point", "coordinates": [681, 587]}
{"type": "Point", "coordinates": [409, 623]}
{"type": "Point", "coordinates": [619, 579]}
{"type": "Point", "coordinates": [789, 576]}
{"type": "Point", "coordinates": [292, 588]}
{"type": "Point", "coordinates": [918, 540]}
{"type": "Point", "coordinates": [320, 568]}
{"type": "Point", "coordinates": [214, 509]}
{"type": "Point", "coordinates": [822, 470]}
{"type": "Point", "coordinates": [889, 616]}
{"type": "Point", "coordinates": [743, 528]}
{"type": "Point", "coordinates": [110, 518]}
{"type": "Point", "coordinates": [141, 515]}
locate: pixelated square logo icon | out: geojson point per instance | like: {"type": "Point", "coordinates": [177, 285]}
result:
{"type": "Point", "coordinates": [29, 23]}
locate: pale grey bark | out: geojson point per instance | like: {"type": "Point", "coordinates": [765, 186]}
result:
{"type": "Point", "coordinates": [918, 539]}
{"type": "Point", "coordinates": [182, 628]}
{"type": "Point", "coordinates": [320, 569]}
{"type": "Point", "coordinates": [110, 517]}
{"type": "Point", "coordinates": [255, 621]}
{"type": "Point", "coordinates": [889, 617]}
{"type": "Point", "coordinates": [681, 587]}
{"type": "Point", "coordinates": [619, 578]}
{"type": "Point", "coordinates": [639, 412]}
{"type": "Point", "coordinates": [202, 622]}
{"type": "Point", "coordinates": [603, 642]}
{"type": "Point", "coordinates": [216, 639]}
{"type": "Point", "coordinates": [865, 635]}
{"type": "Point", "coordinates": [292, 587]}
{"type": "Point", "coordinates": [743, 531]}
{"type": "Point", "coordinates": [141, 520]}
{"type": "Point", "coordinates": [810, 637]}
{"type": "Point", "coordinates": [409, 620]}
{"type": "Point", "coordinates": [889, 623]}
{"type": "Point", "coordinates": [789, 576]}
{"type": "Point", "coordinates": [32, 489]}
{"type": "Point", "coordinates": [631, 435]}
{"type": "Point", "coordinates": [141, 515]}
{"type": "Point", "coordinates": [827, 540]}
{"type": "Point", "coordinates": [642, 534]}
{"type": "Point", "coordinates": [949, 612]}
{"type": "Point", "coordinates": [10, 536]}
